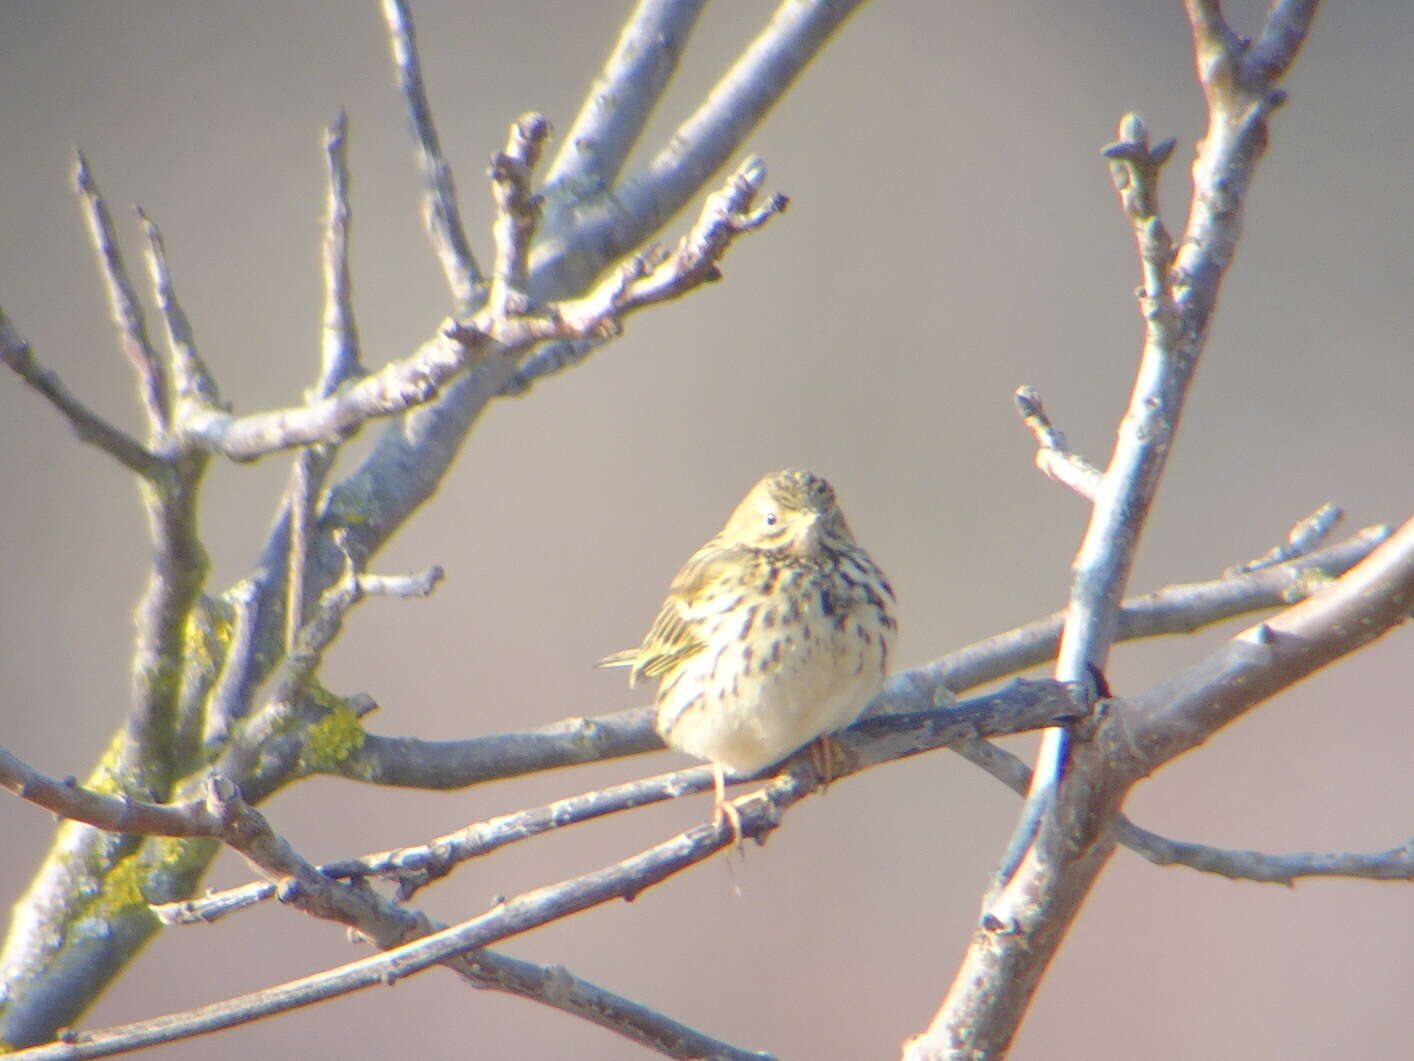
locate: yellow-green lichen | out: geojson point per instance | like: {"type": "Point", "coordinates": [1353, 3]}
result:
{"type": "Point", "coordinates": [208, 632]}
{"type": "Point", "coordinates": [1308, 583]}
{"type": "Point", "coordinates": [354, 502]}
{"type": "Point", "coordinates": [332, 739]}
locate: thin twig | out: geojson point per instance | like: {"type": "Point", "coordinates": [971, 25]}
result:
{"type": "Point", "coordinates": [192, 384]}
{"type": "Point", "coordinates": [127, 310]}
{"type": "Point", "coordinates": [289, 698]}
{"type": "Point", "coordinates": [1306, 535]}
{"type": "Point", "coordinates": [88, 425]}
{"type": "Point", "coordinates": [324, 626]}
{"type": "Point", "coordinates": [1181, 712]}
{"type": "Point", "coordinates": [517, 213]}
{"type": "Point", "coordinates": [1180, 609]}
{"type": "Point", "coordinates": [339, 346]}
{"type": "Point", "coordinates": [439, 204]}
{"type": "Point", "coordinates": [1053, 456]}
{"type": "Point", "coordinates": [339, 362]}
{"type": "Point", "coordinates": [1395, 864]}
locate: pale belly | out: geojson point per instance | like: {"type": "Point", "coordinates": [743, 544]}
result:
{"type": "Point", "coordinates": [748, 715]}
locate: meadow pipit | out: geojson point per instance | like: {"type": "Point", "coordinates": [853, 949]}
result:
{"type": "Point", "coordinates": [774, 633]}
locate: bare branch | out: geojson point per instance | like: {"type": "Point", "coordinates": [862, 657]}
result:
{"type": "Point", "coordinates": [307, 472]}
{"type": "Point", "coordinates": [335, 604]}
{"type": "Point", "coordinates": [127, 311]}
{"type": "Point", "coordinates": [1020, 707]}
{"type": "Point", "coordinates": [741, 98]}
{"type": "Point", "coordinates": [1395, 864]}
{"type": "Point", "coordinates": [615, 222]}
{"type": "Point", "coordinates": [760, 814]}
{"type": "Point", "coordinates": [228, 696]}
{"type": "Point", "coordinates": [1180, 609]}
{"type": "Point", "coordinates": [556, 986]}
{"type": "Point", "coordinates": [1365, 603]}
{"type": "Point", "coordinates": [1304, 536]}
{"type": "Point", "coordinates": [395, 388]}
{"type": "Point", "coordinates": [517, 213]}
{"type": "Point", "coordinates": [550, 358]}
{"type": "Point", "coordinates": [1122, 495]}
{"type": "Point", "coordinates": [339, 347]}
{"type": "Point", "coordinates": [339, 357]}
{"type": "Point", "coordinates": [439, 204]}
{"type": "Point", "coordinates": [1135, 169]}
{"type": "Point", "coordinates": [88, 425]}
{"type": "Point", "coordinates": [339, 362]}
{"type": "Point", "coordinates": [1282, 36]}
{"type": "Point", "coordinates": [1025, 921]}
{"type": "Point", "coordinates": [409, 762]}
{"type": "Point", "coordinates": [641, 282]}
{"type": "Point", "coordinates": [1053, 457]}
{"type": "Point", "coordinates": [622, 97]}
{"type": "Point", "coordinates": [1177, 299]}
{"type": "Point", "coordinates": [225, 814]}
{"type": "Point", "coordinates": [116, 813]}
{"type": "Point", "coordinates": [191, 382]}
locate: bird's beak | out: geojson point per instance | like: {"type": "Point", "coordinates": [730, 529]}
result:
{"type": "Point", "coordinates": [808, 540]}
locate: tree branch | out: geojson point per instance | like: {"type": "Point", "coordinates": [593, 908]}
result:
{"type": "Point", "coordinates": [613, 222]}
{"type": "Point", "coordinates": [224, 813]}
{"type": "Point", "coordinates": [1395, 864]}
{"type": "Point", "coordinates": [127, 310]}
{"type": "Point", "coordinates": [1305, 536]}
{"type": "Point", "coordinates": [1053, 456]}
{"type": "Point", "coordinates": [1020, 930]}
{"type": "Point", "coordinates": [1182, 712]}
{"type": "Point", "coordinates": [1020, 707]}
{"type": "Point", "coordinates": [88, 425]}
{"type": "Point", "coordinates": [1180, 609]}
{"type": "Point", "coordinates": [1077, 791]}
{"type": "Point", "coordinates": [439, 204]}
{"type": "Point", "coordinates": [490, 336]}
{"type": "Point", "coordinates": [414, 763]}
{"type": "Point", "coordinates": [622, 97]}
{"type": "Point", "coordinates": [192, 385]}
{"type": "Point", "coordinates": [51, 973]}
{"type": "Point", "coordinates": [517, 214]}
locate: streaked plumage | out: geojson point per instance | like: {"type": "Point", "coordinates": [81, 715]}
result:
{"type": "Point", "coordinates": [774, 633]}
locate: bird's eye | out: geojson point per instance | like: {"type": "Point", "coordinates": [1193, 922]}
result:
{"type": "Point", "coordinates": [771, 518]}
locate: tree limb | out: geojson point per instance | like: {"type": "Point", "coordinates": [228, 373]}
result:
{"type": "Point", "coordinates": [440, 212]}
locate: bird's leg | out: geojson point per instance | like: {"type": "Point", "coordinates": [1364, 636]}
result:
{"type": "Point", "coordinates": [825, 752]}
{"type": "Point", "coordinates": [722, 810]}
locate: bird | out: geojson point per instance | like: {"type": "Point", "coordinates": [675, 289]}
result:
{"type": "Point", "coordinates": [775, 633]}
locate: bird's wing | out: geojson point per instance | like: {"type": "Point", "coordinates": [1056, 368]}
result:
{"type": "Point", "coordinates": [673, 637]}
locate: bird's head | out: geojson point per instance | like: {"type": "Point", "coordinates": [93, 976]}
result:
{"type": "Point", "coordinates": [792, 510]}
